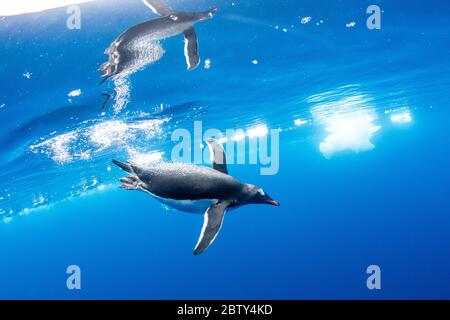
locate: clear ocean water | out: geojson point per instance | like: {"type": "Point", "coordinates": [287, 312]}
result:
{"type": "Point", "coordinates": [363, 152]}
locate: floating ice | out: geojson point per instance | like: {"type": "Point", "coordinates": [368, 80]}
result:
{"type": "Point", "coordinates": [401, 117]}
{"type": "Point", "coordinates": [351, 132]}
{"type": "Point", "coordinates": [348, 119]}
{"type": "Point", "coordinates": [74, 93]}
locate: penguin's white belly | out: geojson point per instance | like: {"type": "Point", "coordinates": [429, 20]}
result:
{"type": "Point", "coordinates": [192, 206]}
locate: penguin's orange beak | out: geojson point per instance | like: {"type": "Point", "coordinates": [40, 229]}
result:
{"type": "Point", "coordinates": [273, 202]}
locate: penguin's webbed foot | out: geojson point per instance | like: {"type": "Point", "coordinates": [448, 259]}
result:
{"type": "Point", "coordinates": [130, 183]}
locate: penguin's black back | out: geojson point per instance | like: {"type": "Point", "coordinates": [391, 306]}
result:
{"type": "Point", "coordinates": [188, 182]}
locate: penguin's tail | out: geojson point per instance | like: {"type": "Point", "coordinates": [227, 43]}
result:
{"type": "Point", "coordinates": [124, 166]}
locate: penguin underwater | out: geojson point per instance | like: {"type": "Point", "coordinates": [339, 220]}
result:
{"type": "Point", "coordinates": [196, 189]}
{"type": "Point", "coordinates": [140, 46]}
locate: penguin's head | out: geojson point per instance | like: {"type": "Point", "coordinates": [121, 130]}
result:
{"type": "Point", "coordinates": [259, 196]}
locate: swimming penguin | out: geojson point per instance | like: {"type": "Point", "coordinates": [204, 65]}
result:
{"type": "Point", "coordinates": [139, 45]}
{"type": "Point", "coordinates": [196, 189]}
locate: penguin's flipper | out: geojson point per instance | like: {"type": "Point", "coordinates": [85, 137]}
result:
{"type": "Point", "coordinates": [211, 226]}
{"type": "Point", "coordinates": [218, 157]}
{"type": "Point", "coordinates": [191, 49]}
{"type": "Point", "coordinates": [159, 7]}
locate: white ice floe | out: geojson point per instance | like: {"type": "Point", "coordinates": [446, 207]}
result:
{"type": "Point", "coordinates": [401, 117]}
{"type": "Point", "coordinates": [74, 93]}
{"type": "Point", "coordinates": [351, 132]}
{"type": "Point", "coordinates": [348, 120]}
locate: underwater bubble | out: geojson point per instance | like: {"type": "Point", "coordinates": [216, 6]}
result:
{"type": "Point", "coordinates": [7, 219]}
{"type": "Point", "coordinates": [39, 201]}
{"type": "Point", "coordinates": [207, 64]}
{"type": "Point", "coordinates": [86, 143]}
{"type": "Point", "coordinates": [305, 20]}
{"type": "Point", "coordinates": [300, 122]}
{"type": "Point", "coordinates": [258, 131]}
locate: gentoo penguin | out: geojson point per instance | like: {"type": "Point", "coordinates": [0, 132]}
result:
{"type": "Point", "coordinates": [139, 45]}
{"type": "Point", "coordinates": [196, 189]}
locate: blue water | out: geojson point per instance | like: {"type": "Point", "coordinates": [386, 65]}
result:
{"type": "Point", "coordinates": [363, 165]}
